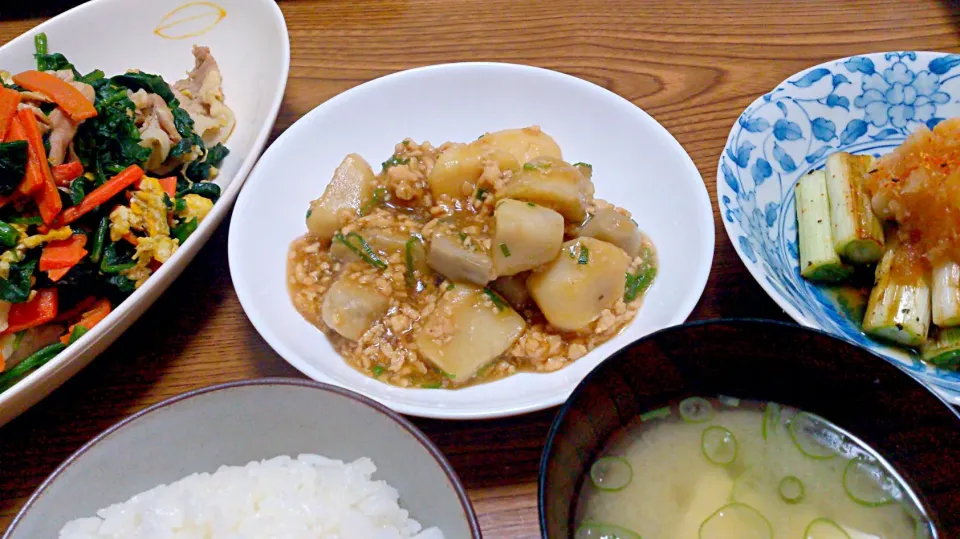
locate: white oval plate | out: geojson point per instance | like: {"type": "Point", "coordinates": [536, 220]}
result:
{"type": "Point", "coordinates": [637, 164]}
{"type": "Point", "coordinates": [254, 78]}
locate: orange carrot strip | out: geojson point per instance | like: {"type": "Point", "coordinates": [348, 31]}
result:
{"type": "Point", "coordinates": [63, 254]}
{"type": "Point", "coordinates": [67, 172]}
{"type": "Point", "coordinates": [57, 274]}
{"type": "Point", "coordinates": [77, 107]}
{"type": "Point", "coordinates": [9, 100]}
{"type": "Point", "coordinates": [89, 319]}
{"type": "Point", "coordinates": [34, 176]}
{"type": "Point", "coordinates": [101, 194]}
{"type": "Point", "coordinates": [131, 239]}
{"type": "Point", "coordinates": [38, 311]}
{"type": "Point", "coordinates": [45, 194]}
{"type": "Point", "coordinates": [169, 185]}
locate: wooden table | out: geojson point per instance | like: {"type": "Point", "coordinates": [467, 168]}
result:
{"type": "Point", "coordinates": [693, 65]}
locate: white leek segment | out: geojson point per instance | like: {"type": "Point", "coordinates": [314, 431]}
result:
{"type": "Point", "coordinates": [946, 294]}
{"type": "Point", "coordinates": [898, 311]}
{"type": "Point", "coordinates": [857, 232]}
{"type": "Point", "coordinates": [819, 260]}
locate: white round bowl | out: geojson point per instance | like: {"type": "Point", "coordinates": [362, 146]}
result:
{"type": "Point", "coordinates": [637, 164]}
{"type": "Point", "coordinates": [863, 105]}
{"type": "Point", "coordinates": [142, 35]}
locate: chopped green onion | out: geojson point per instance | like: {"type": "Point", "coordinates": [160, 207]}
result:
{"type": "Point", "coordinates": [432, 385]}
{"type": "Point", "coordinates": [791, 489]}
{"type": "Point", "coordinates": [611, 473]}
{"type": "Point", "coordinates": [531, 204]}
{"type": "Point", "coordinates": [584, 255]}
{"type": "Point", "coordinates": [497, 301]}
{"type": "Point", "coordinates": [529, 166]}
{"type": "Point", "coordinates": [504, 249]}
{"type": "Point", "coordinates": [824, 528]}
{"type": "Point", "coordinates": [636, 285]}
{"type": "Point", "coordinates": [481, 193]}
{"type": "Point", "coordinates": [806, 431]}
{"type": "Point", "coordinates": [866, 483]}
{"type": "Point", "coordinates": [309, 211]}
{"type": "Point", "coordinates": [378, 370]}
{"type": "Point", "coordinates": [599, 530]}
{"type": "Point", "coordinates": [718, 445]}
{"type": "Point", "coordinates": [364, 250]}
{"type": "Point", "coordinates": [380, 195]}
{"type": "Point", "coordinates": [736, 520]}
{"type": "Point", "coordinates": [696, 410]}
{"type": "Point", "coordinates": [462, 236]}
{"type": "Point", "coordinates": [582, 164]}
{"type": "Point", "coordinates": [451, 286]}
{"type": "Point", "coordinates": [393, 161]}
{"type": "Point", "coordinates": [659, 413]}
{"type": "Point", "coordinates": [408, 259]}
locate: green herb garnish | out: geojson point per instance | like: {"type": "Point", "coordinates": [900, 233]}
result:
{"type": "Point", "coordinates": [361, 249]}
{"type": "Point", "coordinates": [637, 284]}
{"type": "Point", "coordinates": [584, 255]}
{"type": "Point", "coordinates": [380, 195]}
{"type": "Point", "coordinates": [394, 161]}
{"type": "Point", "coordinates": [497, 300]}
{"type": "Point", "coordinates": [309, 213]}
{"type": "Point", "coordinates": [504, 249]}
{"type": "Point", "coordinates": [378, 370]}
{"type": "Point", "coordinates": [451, 286]}
{"type": "Point", "coordinates": [432, 385]}
{"type": "Point", "coordinates": [582, 164]}
{"type": "Point", "coordinates": [481, 193]}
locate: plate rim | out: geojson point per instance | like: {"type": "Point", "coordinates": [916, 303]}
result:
{"type": "Point", "coordinates": [758, 274]}
{"type": "Point", "coordinates": [241, 285]}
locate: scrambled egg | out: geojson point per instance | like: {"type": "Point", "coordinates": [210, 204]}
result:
{"type": "Point", "coordinates": [38, 239]}
{"type": "Point", "coordinates": [197, 207]}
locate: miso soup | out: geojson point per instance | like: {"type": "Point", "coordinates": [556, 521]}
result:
{"type": "Point", "coordinates": [722, 469]}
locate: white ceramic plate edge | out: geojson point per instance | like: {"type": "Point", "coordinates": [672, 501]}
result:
{"type": "Point", "coordinates": [40, 383]}
{"type": "Point", "coordinates": [685, 304]}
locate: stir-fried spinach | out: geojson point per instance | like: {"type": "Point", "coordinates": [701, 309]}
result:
{"type": "Point", "coordinates": [13, 165]}
{"type": "Point", "coordinates": [78, 190]}
{"type": "Point", "coordinates": [183, 231]}
{"type": "Point", "coordinates": [110, 142]}
{"type": "Point", "coordinates": [16, 287]}
{"type": "Point", "coordinates": [117, 257]}
{"type": "Point", "coordinates": [200, 170]}
{"type": "Point", "coordinates": [205, 189]}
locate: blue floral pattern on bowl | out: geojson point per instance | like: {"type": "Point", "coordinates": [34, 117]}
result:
{"type": "Point", "coordinates": [862, 104]}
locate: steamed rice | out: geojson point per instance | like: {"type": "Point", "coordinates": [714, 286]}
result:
{"type": "Point", "coordinates": [311, 497]}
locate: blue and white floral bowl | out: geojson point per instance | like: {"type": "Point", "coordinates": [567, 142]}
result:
{"type": "Point", "coordinates": [862, 104]}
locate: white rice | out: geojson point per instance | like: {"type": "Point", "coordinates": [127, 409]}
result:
{"type": "Point", "coordinates": [312, 497]}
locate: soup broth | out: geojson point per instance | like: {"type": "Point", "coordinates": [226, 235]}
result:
{"type": "Point", "coordinates": [722, 469]}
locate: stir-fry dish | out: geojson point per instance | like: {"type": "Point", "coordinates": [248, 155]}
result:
{"type": "Point", "coordinates": [101, 180]}
{"type": "Point", "coordinates": [467, 262]}
{"type": "Point", "coordinates": [901, 213]}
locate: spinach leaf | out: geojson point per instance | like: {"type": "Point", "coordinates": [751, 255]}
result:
{"type": "Point", "coordinates": [110, 142]}
{"type": "Point", "coordinates": [55, 62]}
{"type": "Point", "coordinates": [184, 125]}
{"type": "Point", "coordinates": [123, 284]}
{"type": "Point", "coordinates": [138, 80]}
{"type": "Point", "coordinates": [205, 189]}
{"type": "Point", "coordinates": [13, 165]}
{"type": "Point", "coordinates": [183, 230]}
{"type": "Point", "coordinates": [200, 170]}
{"type": "Point", "coordinates": [78, 190]}
{"type": "Point", "coordinates": [117, 257]}
{"type": "Point", "coordinates": [16, 287]}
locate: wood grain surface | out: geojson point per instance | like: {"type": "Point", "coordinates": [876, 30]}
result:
{"type": "Point", "coordinates": [694, 66]}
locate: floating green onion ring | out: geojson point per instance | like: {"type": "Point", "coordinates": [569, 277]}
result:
{"type": "Point", "coordinates": [718, 445]}
{"type": "Point", "coordinates": [599, 530]}
{"type": "Point", "coordinates": [805, 430]}
{"type": "Point", "coordinates": [736, 520]}
{"type": "Point", "coordinates": [696, 410]}
{"type": "Point", "coordinates": [866, 483]}
{"type": "Point", "coordinates": [611, 473]}
{"type": "Point", "coordinates": [791, 489]}
{"type": "Point", "coordinates": [824, 528]}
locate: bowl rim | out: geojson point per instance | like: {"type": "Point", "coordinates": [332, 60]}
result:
{"type": "Point", "coordinates": [403, 422]}
{"type": "Point", "coordinates": [756, 322]}
{"type": "Point", "coordinates": [249, 304]}
{"type": "Point", "coordinates": [47, 377]}
{"type": "Point", "coordinates": [757, 271]}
